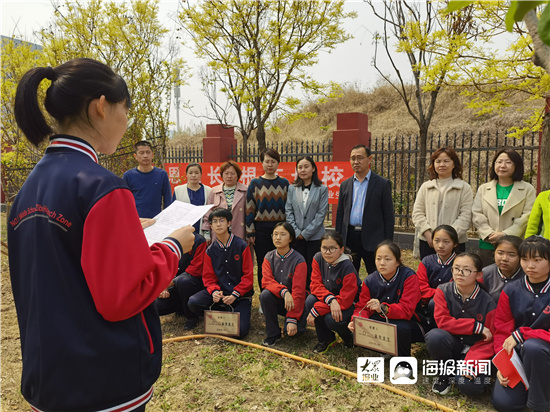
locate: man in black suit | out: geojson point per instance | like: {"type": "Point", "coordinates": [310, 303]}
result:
{"type": "Point", "coordinates": [365, 215]}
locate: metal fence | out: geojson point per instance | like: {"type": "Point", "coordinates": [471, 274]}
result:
{"type": "Point", "coordinates": [397, 159]}
{"type": "Point", "coordinates": [393, 157]}
{"type": "Point", "coordinates": [289, 151]}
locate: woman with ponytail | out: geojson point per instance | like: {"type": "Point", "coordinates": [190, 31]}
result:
{"type": "Point", "coordinates": [83, 276]}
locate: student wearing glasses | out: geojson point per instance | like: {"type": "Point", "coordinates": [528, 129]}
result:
{"type": "Point", "coordinates": [335, 287]}
{"type": "Point", "coordinates": [464, 314]}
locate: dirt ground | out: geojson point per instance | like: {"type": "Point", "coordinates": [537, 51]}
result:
{"type": "Point", "coordinates": [214, 375]}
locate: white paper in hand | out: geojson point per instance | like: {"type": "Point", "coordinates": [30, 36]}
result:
{"type": "Point", "coordinates": [177, 215]}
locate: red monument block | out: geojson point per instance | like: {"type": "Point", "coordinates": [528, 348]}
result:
{"type": "Point", "coordinates": [216, 146]}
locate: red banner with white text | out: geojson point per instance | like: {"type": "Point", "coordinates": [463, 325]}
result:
{"type": "Point", "coordinates": [331, 173]}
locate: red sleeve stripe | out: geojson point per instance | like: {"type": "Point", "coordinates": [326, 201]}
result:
{"type": "Point", "coordinates": [72, 144]}
{"type": "Point", "coordinates": [174, 247]}
{"type": "Point", "coordinates": [478, 328]}
{"type": "Point", "coordinates": [517, 336]}
{"type": "Point", "coordinates": [328, 299]}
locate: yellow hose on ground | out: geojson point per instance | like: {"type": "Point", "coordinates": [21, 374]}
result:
{"type": "Point", "coordinates": [312, 362]}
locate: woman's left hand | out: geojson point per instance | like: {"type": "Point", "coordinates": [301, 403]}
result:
{"type": "Point", "coordinates": [229, 299]}
{"type": "Point", "coordinates": [311, 320]}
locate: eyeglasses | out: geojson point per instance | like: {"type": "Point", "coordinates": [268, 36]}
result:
{"type": "Point", "coordinates": [270, 162]}
{"type": "Point", "coordinates": [445, 161]}
{"type": "Point", "coordinates": [219, 220]}
{"type": "Point", "coordinates": [331, 249]}
{"type": "Point", "coordinates": [463, 272]}
{"type": "Point", "coordinates": [354, 159]}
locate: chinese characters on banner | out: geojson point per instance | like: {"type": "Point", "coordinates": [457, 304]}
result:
{"type": "Point", "coordinates": [331, 173]}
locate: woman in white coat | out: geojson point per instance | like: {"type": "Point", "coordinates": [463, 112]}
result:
{"type": "Point", "coordinates": [193, 191]}
{"type": "Point", "coordinates": [306, 208]}
{"type": "Point", "coordinates": [502, 206]}
{"type": "Point", "coordinates": [444, 200]}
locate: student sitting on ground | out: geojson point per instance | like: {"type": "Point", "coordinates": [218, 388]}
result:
{"type": "Point", "coordinates": [284, 282]}
{"type": "Point", "coordinates": [464, 314]}
{"type": "Point", "coordinates": [507, 266]}
{"type": "Point", "coordinates": [188, 282]}
{"type": "Point", "coordinates": [334, 288]}
{"type": "Point", "coordinates": [435, 270]}
{"type": "Point", "coordinates": [522, 323]}
{"type": "Point", "coordinates": [391, 292]}
{"type": "Point", "coordinates": [228, 274]}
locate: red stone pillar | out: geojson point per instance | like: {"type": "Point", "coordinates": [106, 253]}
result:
{"type": "Point", "coordinates": [352, 129]}
{"type": "Point", "coordinates": [216, 146]}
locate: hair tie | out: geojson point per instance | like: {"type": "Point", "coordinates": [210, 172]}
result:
{"type": "Point", "coordinates": [50, 73]}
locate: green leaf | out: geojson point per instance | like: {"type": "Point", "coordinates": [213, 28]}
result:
{"type": "Point", "coordinates": [455, 5]}
{"type": "Point", "coordinates": [510, 16]}
{"type": "Point", "coordinates": [544, 26]}
{"type": "Point", "coordinates": [518, 10]}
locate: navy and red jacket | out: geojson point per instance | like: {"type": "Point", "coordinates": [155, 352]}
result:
{"type": "Point", "coordinates": [466, 318]}
{"type": "Point", "coordinates": [339, 281]}
{"type": "Point", "coordinates": [432, 272]}
{"type": "Point", "coordinates": [522, 313]}
{"type": "Point", "coordinates": [192, 261]}
{"type": "Point", "coordinates": [493, 280]}
{"type": "Point", "coordinates": [229, 268]}
{"type": "Point", "coordinates": [401, 294]}
{"type": "Point", "coordinates": [286, 274]}
{"type": "Point", "coordinates": [84, 281]}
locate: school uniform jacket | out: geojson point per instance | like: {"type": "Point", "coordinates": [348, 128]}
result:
{"type": "Point", "coordinates": [229, 268]}
{"type": "Point", "coordinates": [522, 313]}
{"type": "Point", "coordinates": [401, 294]}
{"type": "Point", "coordinates": [466, 318]}
{"type": "Point", "coordinates": [329, 282]}
{"type": "Point", "coordinates": [286, 274]}
{"type": "Point", "coordinates": [192, 261]}
{"type": "Point", "coordinates": [84, 281]}
{"type": "Point", "coordinates": [432, 272]}
{"type": "Point", "coordinates": [493, 280]}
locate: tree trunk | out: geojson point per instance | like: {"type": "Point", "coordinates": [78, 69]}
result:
{"type": "Point", "coordinates": [245, 146]}
{"type": "Point", "coordinates": [544, 165]}
{"type": "Point", "coordinates": [422, 158]}
{"type": "Point", "coordinates": [260, 136]}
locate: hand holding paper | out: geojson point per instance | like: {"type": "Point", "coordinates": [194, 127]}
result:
{"type": "Point", "coordinates": [174, 217]}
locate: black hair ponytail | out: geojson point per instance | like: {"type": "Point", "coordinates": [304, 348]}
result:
{"type": "Point", "coordinates": [28, 114]}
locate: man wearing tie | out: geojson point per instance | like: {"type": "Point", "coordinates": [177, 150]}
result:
{"type": "Point", "coordinates": [365, 215]}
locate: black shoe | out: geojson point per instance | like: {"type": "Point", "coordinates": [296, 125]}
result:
{"type": "Point", "coordinates": [190, 324]}
{"type": "Point", "coordinates": [322, 347]}
{"type": "Point", "coordinates": [348, 343]}
{"type": "Point", "coordinates": [441, 386]}
{"type": "Point", "coordinates": [271, 341]}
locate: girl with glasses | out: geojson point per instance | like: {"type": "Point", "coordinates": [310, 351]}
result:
{"type": "Point", "coordinates": [464, 314]}
{"type": "Point", "coordinates": [334, 289]}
